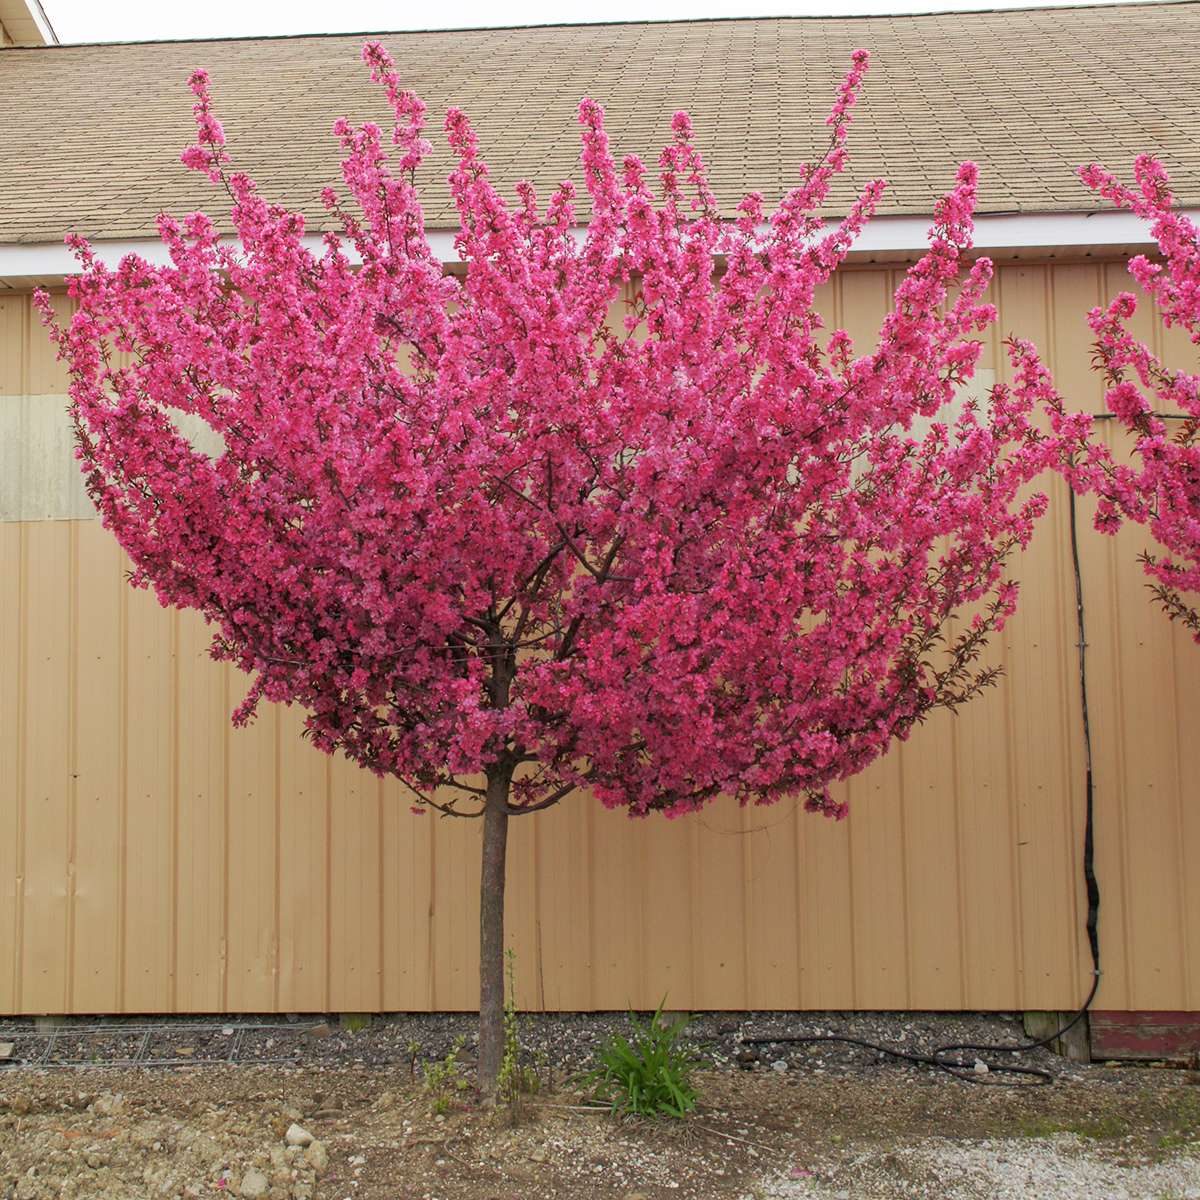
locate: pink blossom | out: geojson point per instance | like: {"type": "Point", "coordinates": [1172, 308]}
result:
{"type": "Point", "coordinates": [1158, 406]}
{"type": "Point", "coordinates": [476, 530]}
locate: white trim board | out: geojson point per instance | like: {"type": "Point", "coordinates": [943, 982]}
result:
{"type": "Point", "coordinates": [884, 235]}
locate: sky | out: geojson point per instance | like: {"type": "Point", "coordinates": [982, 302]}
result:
{"type": "Point", "coordinates": [138, 20]}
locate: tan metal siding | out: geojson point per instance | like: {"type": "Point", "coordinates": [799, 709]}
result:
{"type": "Point", "coordinates": [152, 859]}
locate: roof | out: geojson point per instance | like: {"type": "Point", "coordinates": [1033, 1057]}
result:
{"type": "Point", "coordinates": [92, 133]}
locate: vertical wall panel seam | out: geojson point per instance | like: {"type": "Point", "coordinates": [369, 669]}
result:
{"type": "Point", "coordinates": [1019, 985]}
{"type": "Point", "coordinates": [589, 825]}
{"type": "Point", "coordinates": [123, 783]}
{"type": "Point", "coordinates": [174, 817]}
{"type": "Point", "coordinates": [380, 891]}
{"type": "Point", "coordinates": [328, 889]}
{"type": "Point", "coordinates": [852, 949]}
{"type": "Point", "coordinates": [430, 925]}
{"type": "Point", "coordinates": [1180, 827]}
{"type": "Point", "coordinates": [22, 764]}
{"type": "Point", "coordinates": [73, 701]}
{"type": "Point", "coordinates": [1057, 522]}
{"type": "Point", "coordinates": [1118, 784]}
{"type": "Point", "coordinates": [539, 946]}
{"type": "Point", "coordinates": [22, 700]}
{"type": "Point", "coordinates": [277, 851]}
{"type": "Point", "coordinates": [960, 925]}
{"type": "Point", "coordinates": [693, 875]}
{"type": "Point", "coordinates": [839, 297]}
{"type": "Point", "coordinates": [226, 776]}
{"type": "Point", "coordinates": [1070, 732]}
{"type": "Point", "coordinates": [798, 901]}
{"type": "Point", "coordinates": [1181, 872]}
{"type": "Point", "coordinates": [902, 850]}
{"type": "Point", "coordinates": [952, 749]}
{"type": "Point", "coordinates": [745, 842]}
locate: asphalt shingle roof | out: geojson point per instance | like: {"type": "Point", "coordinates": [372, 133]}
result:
{"type": "Point", "coordinates": [91, 135]}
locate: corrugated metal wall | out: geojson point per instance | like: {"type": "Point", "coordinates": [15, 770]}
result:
{"type": "Point", "coordinates": [154, 860]}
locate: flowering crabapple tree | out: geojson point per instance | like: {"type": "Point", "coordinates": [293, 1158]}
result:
{"type": "Point", "coordinates": [510, 551]}
{"type": "Point", "coordinates": [1157, 406]}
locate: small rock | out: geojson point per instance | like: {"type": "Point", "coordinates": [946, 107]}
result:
{"type": "Point", "coordinates": [6, 1050]}
{"type": "Point", "coordinates": [185, 1051]}
{"type": "Point", "coordinates": [109, 1105]}
{"type": "Point", "coordinates": [635, 1196]}
{"type": "Point", "coordinates": [779, 1065]}
{"type": "Point", "coordinates": [297, 1136]}
{"type": "Point", "coordinates": [980, 1068]}
{"type": "Point", "coordinates": [227, 1030]}
{"type": "Point", "coordinates": [254, 1183]}
{"type": "Point", "coordinates": [357, 1160]}
{"type": "Point", "coordinates": [538, 1154]}
{"type": "Point", "coordinates": [317, 1156]}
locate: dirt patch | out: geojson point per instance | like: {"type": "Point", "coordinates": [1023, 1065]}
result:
{"type": "Point", "coordinates": [195, 1132]}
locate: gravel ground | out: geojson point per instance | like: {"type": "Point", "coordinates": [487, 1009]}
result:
{"type": "Point", "coordinates": [347, 1117]}
{"type": "Point", "coordinates": [565, 1042]}
{"type": "Point", "coordinates": [1062, 1168]}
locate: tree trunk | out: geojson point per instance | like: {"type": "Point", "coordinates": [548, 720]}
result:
{"type": "Point", "coordinates": [491, 934]}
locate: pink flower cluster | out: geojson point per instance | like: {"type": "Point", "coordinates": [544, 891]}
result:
{"type": "Point", "coordinates": [473, 526]}
{"type": "Point", "coordinates": [1158, 406]}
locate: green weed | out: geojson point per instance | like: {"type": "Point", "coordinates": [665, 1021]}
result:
{"type": "Point", "coordinates": [444, 1080]}
{"type": "Point", "coordinates": [647, 1073]}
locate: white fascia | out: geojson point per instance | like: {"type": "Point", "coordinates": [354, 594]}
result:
{"type": "Point", "coordinates": [38, 13]}
{"type": "Point", "coordinates": [884, 235]}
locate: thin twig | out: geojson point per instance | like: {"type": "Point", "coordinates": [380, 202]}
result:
{"type": "Point", "coordinates": [734, 1138]}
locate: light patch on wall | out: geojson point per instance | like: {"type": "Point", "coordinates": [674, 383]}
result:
{"type": "Point", "coordinates": [978, 388]}
{"type": "Point", "coordinates": [40, 479]}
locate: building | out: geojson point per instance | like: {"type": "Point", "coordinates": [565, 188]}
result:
{"type": "Point", "coordinates": [153, 860]}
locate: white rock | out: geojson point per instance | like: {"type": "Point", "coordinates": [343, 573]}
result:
{"type": "Point", "coordinates": [108, 1104]}
{"type": "Point", "coordinates": [297, 1136]}
{"type": "Point", "coordinates": [254, 1183]}
{"type": "Point", "coordinates": [779, 1065]}
{"type": "Point", "coordinates": [317, 1156]}
{"type": "Point", "coordinates": [981, 1068]}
